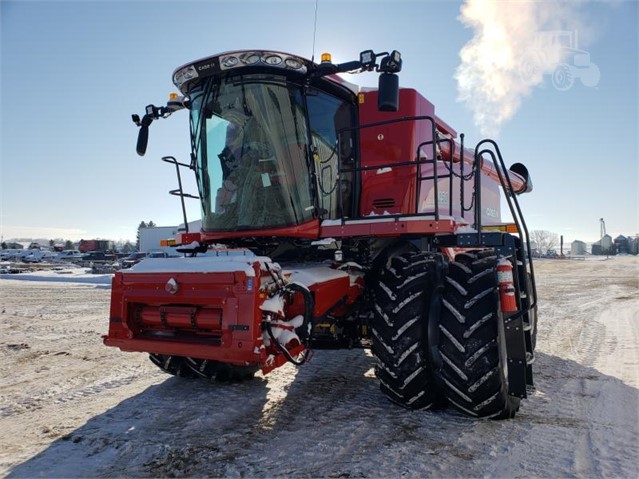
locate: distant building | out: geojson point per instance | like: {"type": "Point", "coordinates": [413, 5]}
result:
{"type": "Point", "coordinates": [621, 244]}
{"type": "Point", "coordinates": [150, 238]}
{"type": "Point", "coordinates": [194, 226]}
{"type": "Point", "coordinates": [578, 248]}
{"type": "Point", "coordinates": [604, 246]}
{"type": "Point", "coordinates": [633, 245]}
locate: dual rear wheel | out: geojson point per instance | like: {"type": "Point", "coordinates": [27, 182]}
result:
{"type": "Point", "coordinates": [438, 344]}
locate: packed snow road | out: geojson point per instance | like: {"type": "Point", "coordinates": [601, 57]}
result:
{"type": "Point", "coordinates": [70, 407]}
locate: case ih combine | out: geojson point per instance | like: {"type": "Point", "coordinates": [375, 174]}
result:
{"type": "Point", "coordinates": [338, 216]}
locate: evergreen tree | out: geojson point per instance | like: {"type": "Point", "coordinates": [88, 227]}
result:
{"type": "Point", "coordinates": [68, 244]}
{"type": "Point", "coordinates": [137, 238]}
{"type": "Point", "coordinates": [4, 245]}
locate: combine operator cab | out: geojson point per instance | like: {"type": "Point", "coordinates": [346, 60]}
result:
{"type": "Point", "coordinates": [336, 216]}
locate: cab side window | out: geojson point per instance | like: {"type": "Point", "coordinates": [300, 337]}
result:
{"type": "Point", "coordinates": [328, 116]}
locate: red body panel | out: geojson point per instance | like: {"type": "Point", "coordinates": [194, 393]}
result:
{"type": "Point", "coordinates": [382, 227]}
{"type": "Point", "coordinates": [309, 230]}
{"type": "Point", "coordinates": [390, 187]}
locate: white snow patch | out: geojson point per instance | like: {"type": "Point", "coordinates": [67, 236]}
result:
{"type": "Point", "coordinates": [198, 264]}
{"type": "Point", "coordinates": [309, 275]}
{"type": "Point", "coordinates": [65, 275]}
{"type": "Point", "coordinates": [274, 304]}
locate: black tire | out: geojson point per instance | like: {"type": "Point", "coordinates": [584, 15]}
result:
{"type": "Point", "coordinates": [221, 372]}
{"type": "Point", "coordinates": [474, 370]}
{"type": "Point", "coordinates": [174, 365]}
{"type": "Point", "coordinates": [401, 294]}
{"type": "Point", "coordinates": [202, 368]}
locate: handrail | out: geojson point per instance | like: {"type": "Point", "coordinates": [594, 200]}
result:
{"type": "Point", "coordinates": [513, 205]}
{"type": "Point", "coordinates": [179, 191]}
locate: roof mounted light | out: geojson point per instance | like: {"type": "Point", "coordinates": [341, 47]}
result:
{"type": "Point", "coordinates": [272, 59]}
{"type": "Point", "coordinates": [367, 59]}
{"type": "Point", "coordinates": [250, 58]}
{"type": "Point", "coordinates": [254, 58]}
{"type": "Point", "coordinates": [392, 63]}
{"type": "Point", "coordinates": [326, 58]}
{"type": "Point", "coordinates": [293, 63]}
{"type": "Point", "coordinates": [230, 61]}
{"type": "Point", "coordinates": [184, 75]}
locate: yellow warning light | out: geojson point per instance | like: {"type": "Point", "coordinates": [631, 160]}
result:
{"type": "Point", "coordinates": [362, 98]}
{"type": "Point", "coordinates": [326, 58]}
{"type": "Point", "coordinates": [173, 96]}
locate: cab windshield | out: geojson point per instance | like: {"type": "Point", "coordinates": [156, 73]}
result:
{"type": "Point", "coordinates": [250, 142]}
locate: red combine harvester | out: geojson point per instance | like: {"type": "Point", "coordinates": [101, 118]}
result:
{"type": "Point", "coordinates": [336, 216]}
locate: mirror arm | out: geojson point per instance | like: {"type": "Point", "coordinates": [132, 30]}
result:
{"type": "Point", "coordinates": [153, 113]}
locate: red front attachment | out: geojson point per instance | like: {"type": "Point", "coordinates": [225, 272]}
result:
{"type": "Point", "coordinates": [214, 307]}
{"type": "Point", "coordinates": [208, 312]}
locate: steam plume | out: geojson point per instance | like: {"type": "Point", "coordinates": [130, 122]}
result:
{"type": "Point", "coordinates": [504, 60]}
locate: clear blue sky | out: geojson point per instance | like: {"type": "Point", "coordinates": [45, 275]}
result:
{"type": "Point", "coordinates": [72, 73]}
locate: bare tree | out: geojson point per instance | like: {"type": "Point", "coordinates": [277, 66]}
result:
{"type": "Point", "coordinates": [544, 240]}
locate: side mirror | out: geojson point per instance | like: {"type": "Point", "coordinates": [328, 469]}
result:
{"type": "Point", "coordinates": [143, 135]}
{"type": "Point", "coordinates": [143, 140]}
{"type": "Point", "coordinates": [388, 92]}
{"type": "Point", "coordinates": [153, 113]}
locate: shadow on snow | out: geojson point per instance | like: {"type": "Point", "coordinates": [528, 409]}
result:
{"type": "Point", "coordinates": [326, 418]}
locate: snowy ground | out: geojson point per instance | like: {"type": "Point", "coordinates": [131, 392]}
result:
{"type": "Point", "coordinates": [70, 407]}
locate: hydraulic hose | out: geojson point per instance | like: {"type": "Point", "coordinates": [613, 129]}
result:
{"type": "Point", "coordinates": [309, 303]}
{"type": "Point", "coordinates": [281, 347]}
{"type": "Point", "coordinates": [303, 332]}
